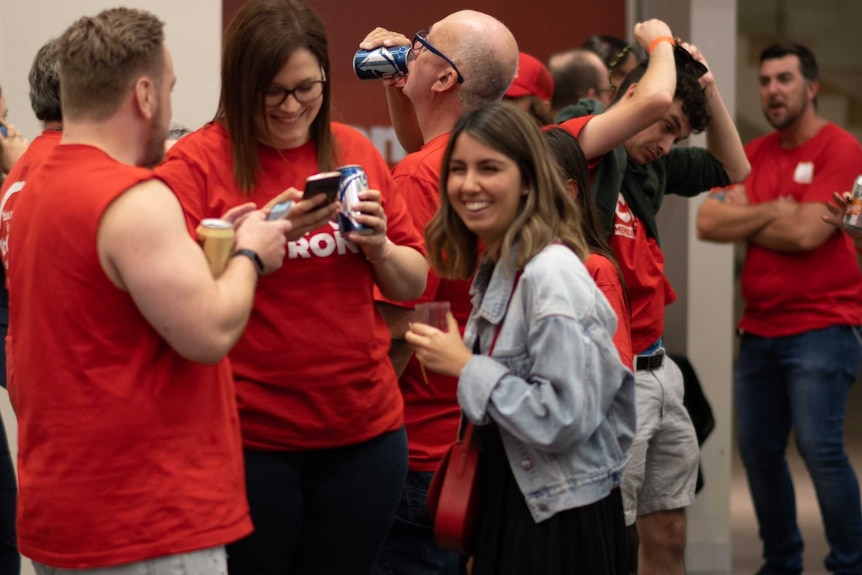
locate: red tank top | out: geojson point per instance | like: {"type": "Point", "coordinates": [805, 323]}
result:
{"type": "Point", "coordinates": [127, 451]}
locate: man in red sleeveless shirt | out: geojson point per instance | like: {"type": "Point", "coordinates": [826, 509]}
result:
{"type": "Point", "coordinates": [129, 447]}
{"type": "Point", "coordinates": [45, 101]}
{"type": "Point", "coordinates": [439, 91]}
{"type": "Point", "coordinates": [800, 342]}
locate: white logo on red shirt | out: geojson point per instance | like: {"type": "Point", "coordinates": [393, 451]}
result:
{"type": "Point", "coordinates": [321, 244]}
{"type": "Point", "coordinates": [6, 216]}
{"type": "Point", "coordinates": [624, 219]}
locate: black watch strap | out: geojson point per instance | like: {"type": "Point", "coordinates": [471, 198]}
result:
{"type": "Point", "coordinates": [252, 255]}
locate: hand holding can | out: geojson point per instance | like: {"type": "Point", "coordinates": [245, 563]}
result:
{"type": "Point", "coordinates": [216, 237]}
{"type": "Point", "coordinates": [382, 63]}
{"type": "Point", "coordinates": [353, 181]}
{"type": "Point", "coordinates": [853, 217]}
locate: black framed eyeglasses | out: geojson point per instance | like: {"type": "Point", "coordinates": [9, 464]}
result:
{"type": "Point", "coordinates": [305, 93]}
{"type": "Point", "coordinates": [420, 41]}
{"type": "Point", "coordinates": [683, 59]}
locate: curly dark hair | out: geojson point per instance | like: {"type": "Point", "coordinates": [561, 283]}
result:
{"type": "Point", "coordinates": [688, 91]}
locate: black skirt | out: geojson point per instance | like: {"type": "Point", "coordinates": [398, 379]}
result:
{"type": "Point", "coordinates": [588, 540]}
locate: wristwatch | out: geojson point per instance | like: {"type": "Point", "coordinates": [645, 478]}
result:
{"type": "Point", "coordinates": [252, 255]}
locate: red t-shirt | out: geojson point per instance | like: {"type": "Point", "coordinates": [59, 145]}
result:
{"type": "Point", "coordinates": [37, 151]}
{"type": "Point", "coordinates": [790, 293]}
{"type": "Point", "coordinates": [311, 369]}
{"type": "Point", "coordinates": [605, 274]}
{"type": "Point", "coordinates": [431, 412]}
{"type": "Point", "coordinates": [126, 450]}
{"type": "Point", "coordinates": [641, 261]}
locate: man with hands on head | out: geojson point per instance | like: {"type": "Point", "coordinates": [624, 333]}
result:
{"type": "Point", "coordinates": [464, 61]}
{"type": "Point", "coordinates": [634, 163]}
{"type": "Point", "coordinates": [799, 338]}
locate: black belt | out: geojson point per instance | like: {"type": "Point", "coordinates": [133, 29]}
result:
{"type": "Point", "coordinates": [649, 362]}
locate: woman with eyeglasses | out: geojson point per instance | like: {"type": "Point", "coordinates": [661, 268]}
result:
{"type": "Point", "coordinates": [319, 405]}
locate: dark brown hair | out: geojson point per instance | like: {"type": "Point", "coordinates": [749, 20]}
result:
{"type": "Point", "coordinates": [257, 44]}
{"type": "Point", "coordinates": [45, 83]}
{"type": "Point", "coordinates": [100, 56]}
{"type": "Point", "coordinates": [572, 163]}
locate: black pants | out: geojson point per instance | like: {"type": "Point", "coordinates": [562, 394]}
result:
{"type": "Point", "coordinates": [10, 561]}
{"type": "Point", "coordinates": [321, 512]}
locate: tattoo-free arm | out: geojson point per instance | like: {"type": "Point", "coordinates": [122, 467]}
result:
{"type": "Point", "coordinates": [404, 120]}
{"type": "Point", "coordinates": [647, 104]}
{"type": "Point", "coordinates": [722, 138]}
{"type": "Point", "coordinates": [146, 250]}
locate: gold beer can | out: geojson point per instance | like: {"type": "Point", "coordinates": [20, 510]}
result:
{"type": "Point", "coordinates": [853, 219]}
{"type": "Point", "coordinates": [216, 237]}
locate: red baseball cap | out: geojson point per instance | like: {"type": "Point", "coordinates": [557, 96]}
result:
{"type": "Point", "coordinates": [532, 78]}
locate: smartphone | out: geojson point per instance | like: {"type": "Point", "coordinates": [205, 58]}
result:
{"type": "Point", "coordinates": [280, 210]}
{"type": "Point", "coordinates": [4, 131]}
{"type": "Point", "coordinates": [323, 183]}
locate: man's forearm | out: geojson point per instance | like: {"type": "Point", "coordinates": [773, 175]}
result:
{"type": "Point", "coordinates": [718, 221]}
{"type": "Point", "coordinates": [722, 138]}
{"type": "Point", "coordinates": [403, 118]}
{"type": "Point", "coordinates": [801, 231]}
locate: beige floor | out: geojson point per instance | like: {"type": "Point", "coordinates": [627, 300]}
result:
{"type": "Point", "coordinates": [746, 543]}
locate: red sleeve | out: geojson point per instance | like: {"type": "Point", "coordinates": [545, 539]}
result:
{"type": "Point", "coordinates": [186, 177]}
{"type": "Point", "coordinates": [422, 198]}
{"type": "Point", "coordinates": [838, 164]}
{"type": "Point", "coordinates": [399, 222]}
{"type": "Point", "coordinates": [417, 182]}
{"type": "Point", "coordinates": [607, 278]}
{"type": "Point", "coordinates": [574, 127]}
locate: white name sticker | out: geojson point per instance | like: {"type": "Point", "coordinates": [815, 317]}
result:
{"type": "Point", "coordinates": [804, 173]}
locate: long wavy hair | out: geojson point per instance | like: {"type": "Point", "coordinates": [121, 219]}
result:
{"type": "Point", "coordinates": [547, 213]}
{"type": "Point", "coordinates": [257, 44]}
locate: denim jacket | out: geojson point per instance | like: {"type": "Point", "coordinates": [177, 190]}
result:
{"type": "Point", "coordinates": [555, 386]}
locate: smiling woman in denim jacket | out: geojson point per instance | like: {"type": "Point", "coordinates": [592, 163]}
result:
{"type": "Point", "coordinates": [554, 402]}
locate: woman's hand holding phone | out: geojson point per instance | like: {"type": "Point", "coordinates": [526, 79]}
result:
{"type": "Point", "coordinates": [306, 214]}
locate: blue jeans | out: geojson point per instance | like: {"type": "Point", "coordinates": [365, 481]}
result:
{"type": "Point", "coordinates": [800, 382]}
{"type": "Point", "coordinates": [324, 511]}
{"type": "Point", "coordinates": [410, 548]}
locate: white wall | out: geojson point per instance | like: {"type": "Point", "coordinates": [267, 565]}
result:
{"type": "Point", "coordinates": [700, 322]}
{"type": "Point", "coordinates": [193, 31]}
{"type": "Point", "coordinates": [710, 317]}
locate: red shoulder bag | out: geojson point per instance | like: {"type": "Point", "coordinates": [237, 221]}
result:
{"type": "Point", "coordinates": [453, 496]}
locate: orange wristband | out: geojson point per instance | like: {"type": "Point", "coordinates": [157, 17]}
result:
{"type": "Point", "coordinates": [669, 39]}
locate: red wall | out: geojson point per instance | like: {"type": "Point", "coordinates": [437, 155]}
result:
{"type": "Point", "coordinates": [559, 25]}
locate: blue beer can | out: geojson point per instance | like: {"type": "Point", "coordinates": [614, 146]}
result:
{"type": "Point", "coordinates": [353, 181]}
{"type": "Point", "coordinates": [382, 63]}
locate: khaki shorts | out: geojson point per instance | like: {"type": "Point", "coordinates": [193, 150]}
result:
{"type": "Point", "coordinates": [205, 562]}
{"type": "Point", "coordinates": [662, 468]}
